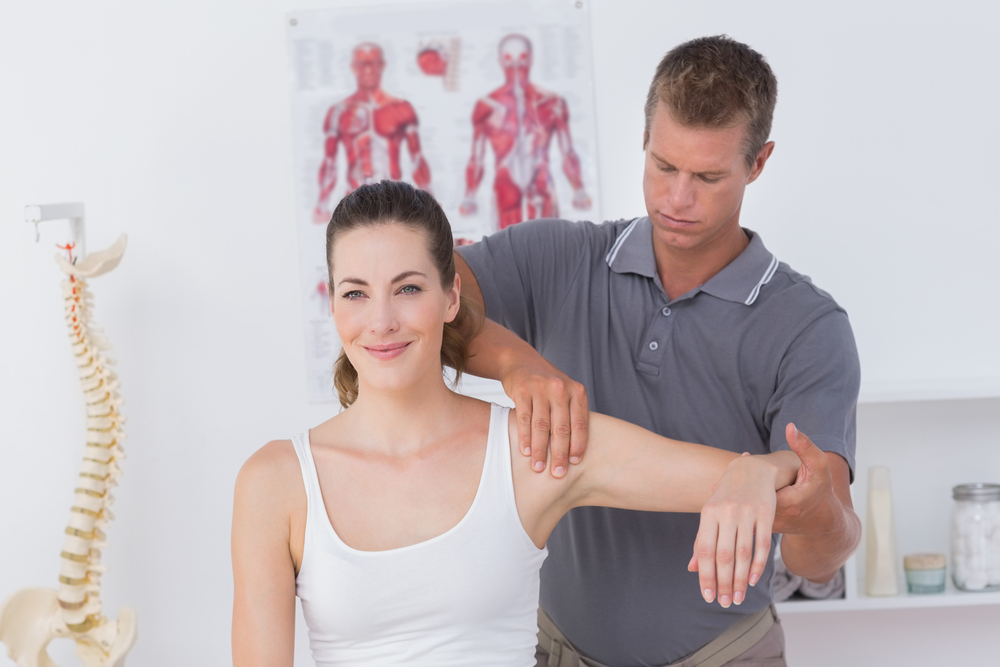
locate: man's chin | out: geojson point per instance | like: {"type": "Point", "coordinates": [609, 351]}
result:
{"type": "Point", "coordinates": [681, 238]}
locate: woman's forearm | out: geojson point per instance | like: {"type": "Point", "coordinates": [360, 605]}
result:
{"type": "Point", "coordinates": [787, 467]}
{"type": "Point", "coordinates": [632, 468]}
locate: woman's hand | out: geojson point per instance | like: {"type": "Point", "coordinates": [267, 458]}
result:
{"type": "Point", "coordinates": [734, 538]}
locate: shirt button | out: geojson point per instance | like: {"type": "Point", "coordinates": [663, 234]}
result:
{"type": "Point", "coordinates": [653, 345]}
{"type": "Point", "coordinates": [665, 311]}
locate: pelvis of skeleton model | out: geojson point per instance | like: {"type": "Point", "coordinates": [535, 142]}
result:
{"type": "Point", "coordinates": [33, 617]}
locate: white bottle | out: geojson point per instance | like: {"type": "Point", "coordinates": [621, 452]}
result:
{"type": "Point", "coordinates": [881, 566]}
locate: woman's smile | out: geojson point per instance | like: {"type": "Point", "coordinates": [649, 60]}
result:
{"type": "Point", "coordinates": [387, 351]}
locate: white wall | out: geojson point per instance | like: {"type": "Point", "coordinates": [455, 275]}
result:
{"type": "Point", "coordinates": [171, 122]}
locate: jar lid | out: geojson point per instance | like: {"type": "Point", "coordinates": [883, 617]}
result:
{"type": "Point", "coordinates": [923, 561]}
{"type": "Point", "coordinates": [980, 492]}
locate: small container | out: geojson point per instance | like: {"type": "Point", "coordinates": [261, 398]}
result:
{"type": "Point", "coordinates": [925, 573]}
{"type": "Point", "coordinates": [975, 537]}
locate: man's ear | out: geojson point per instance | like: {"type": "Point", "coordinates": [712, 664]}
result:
{"type": "Point", "coordinates": [758, 164]}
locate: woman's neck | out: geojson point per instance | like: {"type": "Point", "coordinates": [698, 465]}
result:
{"type": "Point", "coordinates": [402, 422]}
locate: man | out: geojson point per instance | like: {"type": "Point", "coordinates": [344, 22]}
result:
{"type": "Point", "coordinates": [372, 125]}
{"type": "Point", "coordinates": [683, 322]}
{"type": "Point", "coordinates": [519, 120]}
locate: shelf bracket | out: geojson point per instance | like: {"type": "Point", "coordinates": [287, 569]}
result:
{"type": "Point", "coordinates": [72, 211]}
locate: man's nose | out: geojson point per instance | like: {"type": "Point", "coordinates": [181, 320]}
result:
{"type": "Point", "coordinates": [682, 192]}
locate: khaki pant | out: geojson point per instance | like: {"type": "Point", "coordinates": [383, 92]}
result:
{"type": "Point", "coordinates": [756, 641]}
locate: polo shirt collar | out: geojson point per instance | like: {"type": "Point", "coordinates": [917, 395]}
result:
{"type": "Point", "coordinates": [632, 251]}
{"type": "Point", "coordinates": [740, 281]}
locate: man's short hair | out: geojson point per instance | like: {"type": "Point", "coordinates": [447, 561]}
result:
{"type": "Point", "coordinates": [716, 82]}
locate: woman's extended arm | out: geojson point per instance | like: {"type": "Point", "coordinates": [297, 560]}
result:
{"type": "Point", "coordinates": [267, 491]}
{"type": "Point", "coordinates": [632, 468]}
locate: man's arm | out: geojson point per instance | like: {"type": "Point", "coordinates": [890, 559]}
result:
{"type": "Point", "coordinates": [547, 402]}
{"type": "Point", "coordinates": [816, 514]}
{"type": "Point", "coordinates": [817, 388]}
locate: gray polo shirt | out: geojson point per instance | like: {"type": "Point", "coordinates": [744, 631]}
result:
{"type": "Point", "coordinates": [728, 364]}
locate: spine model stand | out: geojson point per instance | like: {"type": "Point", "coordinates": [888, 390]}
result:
{"type": "Point", "coordinates": [32, 617]}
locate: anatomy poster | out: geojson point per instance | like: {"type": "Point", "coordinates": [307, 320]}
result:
{"type": "Point", "coordinates": [489, 106]}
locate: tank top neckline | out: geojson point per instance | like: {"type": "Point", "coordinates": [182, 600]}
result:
{"type": "Point", "coordinates": [495, 412]}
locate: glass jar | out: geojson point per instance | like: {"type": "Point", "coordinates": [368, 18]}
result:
{"type": "Point", "coordinates": [975, 537]}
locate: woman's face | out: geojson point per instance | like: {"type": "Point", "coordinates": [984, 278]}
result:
{"type": "Point", "coordinates": [389, 306]}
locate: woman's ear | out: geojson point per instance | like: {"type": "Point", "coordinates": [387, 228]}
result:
{"type": "Point", "coordinates": [454, 296]}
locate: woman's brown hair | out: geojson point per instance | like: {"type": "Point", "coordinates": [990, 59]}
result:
{"type": "Point", "coordinates": [395, 202]}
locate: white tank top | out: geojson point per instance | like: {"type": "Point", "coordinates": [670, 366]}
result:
{"type": "Point", "coordinates": [466, 597]}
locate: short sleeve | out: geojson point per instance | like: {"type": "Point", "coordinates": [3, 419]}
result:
{"type": "Point", "coordinates": [526, 270]}
{"type": "Point", "coordinates": [818, 381]}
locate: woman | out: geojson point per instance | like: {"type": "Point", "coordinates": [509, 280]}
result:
{"type": "Point", "coordinates": [402, 523]}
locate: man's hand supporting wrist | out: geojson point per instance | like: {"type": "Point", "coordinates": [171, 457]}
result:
{"type": "Point", "coordinates": [816, 515]}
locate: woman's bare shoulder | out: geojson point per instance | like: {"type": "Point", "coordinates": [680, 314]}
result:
{"type": "Point", "coordinates": [272, 471]}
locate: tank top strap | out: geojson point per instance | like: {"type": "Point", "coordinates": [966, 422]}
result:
{"type": "Point", "coordinates": [500, 477]}
{"type": "Point", "coordinates": [310, 478]}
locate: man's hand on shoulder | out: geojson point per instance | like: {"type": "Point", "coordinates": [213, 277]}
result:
{"type": "Point", "coordinates": [552, 415]}
{"type": "Point", "coordinates": [551, 408]}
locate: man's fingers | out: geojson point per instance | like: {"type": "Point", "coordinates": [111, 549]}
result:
{"type": "Point", "coordinates": [579, 417]}
{"type": "Point", "coordinates": [541, 425]}
{"type": "Point", "coordinates": [522, 408]}
{"type": "Point", "coordinates": [559, 443]}
{"type": "Point", "coordinates": [552, 413]}
{"type": "Point", "coordinates": [812, 484]}
{"type": "Point", "coordinates": [812, 457]}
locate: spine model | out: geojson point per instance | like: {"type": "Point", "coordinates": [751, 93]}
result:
{"type": "Point", "coordinates": [80, 573]}
{"type": "Point", "coordinates": [32, 617]}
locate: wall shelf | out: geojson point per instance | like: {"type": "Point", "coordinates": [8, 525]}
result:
{"type": "Point", "coordinates": [856, 600]}
{"type": "Point", "coordinates": [930, 390]}
{"type": "Point", "coordinates": [950, 598]}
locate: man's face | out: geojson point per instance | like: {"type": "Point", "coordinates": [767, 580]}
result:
{"type": "Point", "coordinates": [367, 66]}
{"type": "Point", "coordinates": [693, 181]}
{"type": "Point", "coordinates": [515, 59]}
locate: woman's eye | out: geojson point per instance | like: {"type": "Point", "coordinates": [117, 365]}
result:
{"type": "Point", "coordinates": [354, 294]}
{"type": "Point", "coordinates": [409, 289]}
